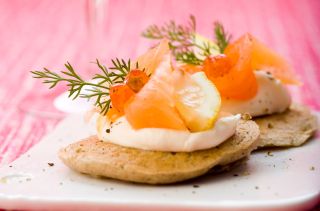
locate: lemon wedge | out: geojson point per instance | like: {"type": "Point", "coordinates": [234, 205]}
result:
{"type": "Point", "coordinates": [198, 101]}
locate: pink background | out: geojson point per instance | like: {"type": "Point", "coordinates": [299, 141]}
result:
{"type": "Point", "coordinates": [43, 33]}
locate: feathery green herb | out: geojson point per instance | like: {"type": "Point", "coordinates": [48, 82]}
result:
{"type": "Point", "coordinates": [221, 36]}
{"type": "Point", "coordinates": [183, 40]}
{"type": "Point", "coordinates": [100, 90]}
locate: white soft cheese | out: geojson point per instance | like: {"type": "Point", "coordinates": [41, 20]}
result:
{"type": "Point", "coordinates": [160, 139]}
{"type": "Point", "coordinates": [272, 97]}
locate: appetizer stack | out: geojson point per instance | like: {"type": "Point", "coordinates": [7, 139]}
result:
{"type": "Point", "coordinates": [184, 107]}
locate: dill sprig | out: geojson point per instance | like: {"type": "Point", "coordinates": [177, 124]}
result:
{"type": "Point", "coordinates": [183, 43]}
{"type": "Point", "coordinates": [181, 38]}
{"type": "Point", "coordinates": [99, 90]}
{"type": "Point", "coordinates": [221, 36]}
{"type": "Point", "coordinates": [172, 31]}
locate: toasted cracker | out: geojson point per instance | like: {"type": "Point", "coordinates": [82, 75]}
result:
{"type": "Point", "coordinates": [99, 158]}
{"type": "Point", "coordinates": [290, 128]}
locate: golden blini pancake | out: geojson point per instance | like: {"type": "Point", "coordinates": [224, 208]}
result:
{"type": "Point", "coordinates": [290, 128]}
{"type": "Point", "coordinates": [98, 158]}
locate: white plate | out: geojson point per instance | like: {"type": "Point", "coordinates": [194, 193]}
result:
{"type": "Point", "coordinates": [68, 105]}
{"type": "Point", "coordinates": [74, 106]}
{"type": "Point", "coordinates": [287, 179]}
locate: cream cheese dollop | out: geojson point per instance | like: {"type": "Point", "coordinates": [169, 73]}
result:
{"type": "Point", "coordinates": [272, 97]}
{"type": "Point", "coordinates": [167, 140]}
